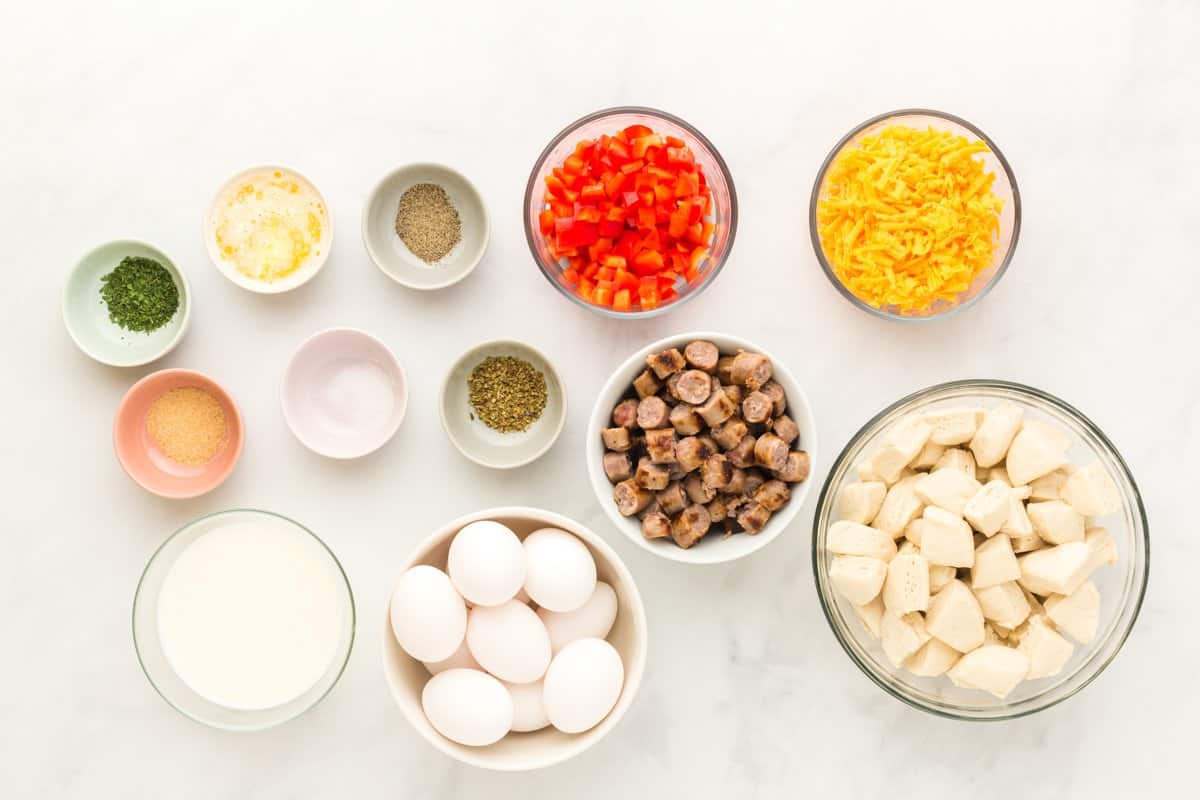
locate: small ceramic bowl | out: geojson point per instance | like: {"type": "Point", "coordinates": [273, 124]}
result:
{"type": "Point", "coordinates": [406, 677]}
{"type": "Point", "coordinates": [478, 442]}
{"type": "Point", "coordinates": [712, 549]}
{"type": "Point", "coordinates": [344, 393]}
{"type": "Point", "coordinates": [394, 258]}
{"type": "Point", "coordinates": [86, 314]}
{"type": "Point", "coordinates": [307, 270]}
{"type": "Point", "coordinates": [149, 467]}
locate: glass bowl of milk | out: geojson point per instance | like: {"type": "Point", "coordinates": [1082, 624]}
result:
{"type": "Point", "coordinates": [243, 620]}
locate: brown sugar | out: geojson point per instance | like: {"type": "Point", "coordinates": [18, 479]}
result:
{"type": "Point", "coordinates": [187, 424]}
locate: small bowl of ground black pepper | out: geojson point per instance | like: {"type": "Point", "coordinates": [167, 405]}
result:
{"type": "Point", "coordinates": [178, 433]}
{"type": "Point", "coordinates": [425, 226]}
{"type": "Point", "coordinates": [503, 404]}
{"type": "Point", "coordinates": [126, 304]}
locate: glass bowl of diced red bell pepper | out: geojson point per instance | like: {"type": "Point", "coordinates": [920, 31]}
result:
{"type": "Point", "coordinates": [630, 211]}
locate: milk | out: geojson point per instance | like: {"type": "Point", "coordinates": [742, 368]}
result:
{"type": "Point", "coordinates": [251, 614]}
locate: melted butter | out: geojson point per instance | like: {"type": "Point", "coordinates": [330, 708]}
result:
{"type": "Point", "coordinates": [268, 224]}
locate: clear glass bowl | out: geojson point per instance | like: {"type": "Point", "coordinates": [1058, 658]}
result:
{"type": "Point", "coordinates": [611, 120]}
{"type": "Point", "coordinates": [1004, 187]}
{"type": "Point", "coordinates": [158, 669]}
{"type": "Point", "coordinates": [1122, 585]}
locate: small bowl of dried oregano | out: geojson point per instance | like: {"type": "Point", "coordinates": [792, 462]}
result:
{"type": "Point", "coordinates": [425, 226]}
{"type": "Point", "coordinates": [503, 404]}
{"type": "Point", "coordinates": [126, 304]}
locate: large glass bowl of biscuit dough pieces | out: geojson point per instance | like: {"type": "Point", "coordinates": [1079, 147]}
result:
{"type": "Point", "coordinates": [1060, 613]}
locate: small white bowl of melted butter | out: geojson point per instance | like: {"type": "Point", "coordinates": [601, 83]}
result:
{"type": "Point", "coordinates": [268, 229]}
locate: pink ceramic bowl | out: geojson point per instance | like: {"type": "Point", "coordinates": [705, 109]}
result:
{"type": "Point", "coordinates": [141, 458]}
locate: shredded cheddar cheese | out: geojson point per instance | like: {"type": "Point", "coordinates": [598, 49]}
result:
{"type": "Point", "coordinates": [908, 219]}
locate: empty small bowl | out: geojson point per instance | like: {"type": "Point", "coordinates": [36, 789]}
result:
{"type": "Point", "coordinates": [1004, 187]}
{"type": "Point", "coordinates": [488, 447]}
{"type": "Point", "coordinates": [274, 236]}
{"type": "Point", "coordinates": [406, 677]}
{"type": "Point", "coordinates": [86, 314]}
{"type": "Point", "coordinates": [344, 394]}
{"type": "Point", "coordinates": [148, 465]}
{"type": "Point", "coordinates": [393, 257]}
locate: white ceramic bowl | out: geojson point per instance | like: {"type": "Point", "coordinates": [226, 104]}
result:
{"type": "Point", "coordinates": [478, 442]}
{"type": "Point", "coordinates": [393, 257]}
{"type": "Point", "coordinates": [711, 549]}
{"type": "Point", "coordinates": [406, 676]}
{"type": "Point", "coordinates": [323, 398]}
{"type": "Point", "coordinates": [301, 276]}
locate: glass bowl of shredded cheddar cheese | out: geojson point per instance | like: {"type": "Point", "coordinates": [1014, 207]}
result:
{"type": "Point", "coordinates": [915, 214]}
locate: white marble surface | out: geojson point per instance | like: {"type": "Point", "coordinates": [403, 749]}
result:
{"type": "Point", "coordinates": [123, 121]}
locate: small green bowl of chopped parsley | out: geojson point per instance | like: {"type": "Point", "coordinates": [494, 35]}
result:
{"type": "Point", "coordinates": [126, 303]}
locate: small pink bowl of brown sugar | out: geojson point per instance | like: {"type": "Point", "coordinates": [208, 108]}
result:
{"type": "Point", "coordinates": [425, 226]}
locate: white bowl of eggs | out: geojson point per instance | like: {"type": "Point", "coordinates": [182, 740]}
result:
{"type": "Point", "coordinates": [515, 639]}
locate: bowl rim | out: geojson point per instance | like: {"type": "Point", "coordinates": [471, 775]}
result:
{"type": "Point", "coordinates": [284, 285]}
{"type": "Point", "coordinates": [402, 395]}
{"type": "Point", "coordinates": [238, 426]}
{"type": "Point", "coordinates": [185, 300]}
{"type": "Point", "coordinates": [443, 394]}
{"type": "Point", "coordinates": [593, 452]}
{"type": "Point", "coordinates": [946, 712]}
{"type": "Point", "coordinates": [815, 197]}
{"type": "Point", "coordinates": [229, 511]}
{"type": "Point", "coordinates": [634, 673]}
{"type": "Point", "coordinates": [378, 188]}
{"type": "Point", "coordinates": [530, 186]}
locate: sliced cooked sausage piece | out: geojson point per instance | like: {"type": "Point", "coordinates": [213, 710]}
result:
{"type": "Point", "coordinates": [702, 355]}
{"type": "Point", "coordinates": [735, 393]}
{"type": "Point", "coordinates": [716, 471]}
{"type": "Point", "coordinates": [771, 452]}
{"type": "Point", "coordinates": [697, 490]}
{"type": "Point", "coordinates": [773, 390]}
{"type": "Point", "coordinates": [754, 479]}
{"type": "Point", "coordinates": [617, 467]}
{"type": "Point", "coordinates": [693, 387]}
{"type": "Point", "coordinates": [652, 413]}
{"type": "Point", "coordinates": [718, 507]}
{"type": "Point", "coordinates": [753, 517]}
{"type": "Point", "coordinates": [656, 526]}
{"type": "Point", "coordinates": [729, 433]}
{"type": "Point", "coordinates": [742, 454]}
{"type": "Point", "coordinates": [652, 508]}
{"type": "Point", "coordinates": [785, 428]}
{"type": "Point", "coordinates": [666, 362]}
{"type": "Point", "coordinates": [671, 387]}
{"type": "Point", "coordinates": [716, 409]}
{"type": "Point", "coordinates": [684, 420]}
{"type": "Point", "coordinates": [751, 370]}
{"type": "Point", "coordinates": [691, 524]}
{"type": "Point", "coordinates": [796, 469]}
{"type": "Point", "coordinates": [625, 414]}
{"type": "Point", "coordinates": [616, 439]}
{"type": "Point", "coordinates": [737, 481]}
{"type": "Point", "coordinates": [672, 499]}
{"type": "Point", "coordinates": [772, 495]}
{"type": "Point", "coordinates": [631, 498]}
{"type": "Point", "coordinates": [646, 384]}
{"type": "Point", "coordinates": [757, 407]}
{"type": "Point", "coordinates": [725, 369]}
{"type": "Point", "coordinates": [660, 444]}
{"type": "Point", "coordinates": [650, 475]}
{"type": "Point", "coordinates": [690, 453]}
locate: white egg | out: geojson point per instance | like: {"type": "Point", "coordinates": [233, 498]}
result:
{"type": "Point", "coordinates": [592, 620]}
{"type": "Point", "coordinates": [582, 684]}
{"type": "Point", "coordinates": [486, 563]}
{"type": "Point", "coordinates": [429, 618]}
{"type": "Point", "coordinates": [509, 641]}
{"type": "Point", "coordinates": [529, 713]}
{"type": "Point", "coordinates": [468, 706]}
{"type": "Point", "coordinates": [559, 571]}
{"type": "Point", "coordinates": [461, 659]}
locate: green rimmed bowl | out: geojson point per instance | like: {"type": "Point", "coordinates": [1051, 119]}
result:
{"type": "Point", "coordinates": [86, 314]}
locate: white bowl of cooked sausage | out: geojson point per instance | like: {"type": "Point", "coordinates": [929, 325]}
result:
{"type": "Point", "coordinates": [699, 447]}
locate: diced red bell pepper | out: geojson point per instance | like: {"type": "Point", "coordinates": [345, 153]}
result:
{"type": "Point", "coordinates": [681, 156]}
{"type": "Point", "coordinates": [546, 221]}
{"type": "Point", "coordinates": [621, 300]}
